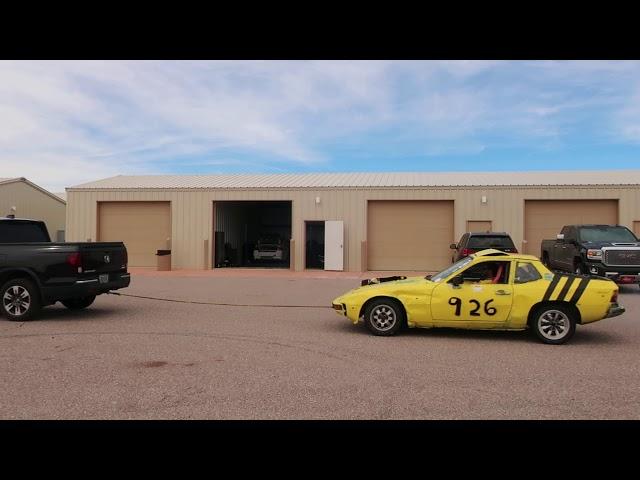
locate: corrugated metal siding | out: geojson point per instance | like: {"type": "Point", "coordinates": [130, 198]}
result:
{"type": "Point", "coordinates": [192, 211]}
{"type": "Point", "coordinates": [33, 203]}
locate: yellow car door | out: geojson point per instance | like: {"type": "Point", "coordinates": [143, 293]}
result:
{"type": "Point", "coordinates": [476, 302]}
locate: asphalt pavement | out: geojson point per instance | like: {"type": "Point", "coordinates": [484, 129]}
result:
{"type": "Point", "coordinates": [135, 358]}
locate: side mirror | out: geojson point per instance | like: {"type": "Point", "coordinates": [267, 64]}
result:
{"type": "Point", "coordinates": [560, 236]}
{"type": "Point", "coordinates": [453, 246]}
{"type": "Point", "coordinates": [457, 280]}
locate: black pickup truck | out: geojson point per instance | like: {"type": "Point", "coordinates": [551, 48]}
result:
{"type": "Point", "coordinates": [611, 251]}
{"type": "Point", "coordinates": [34, 272]}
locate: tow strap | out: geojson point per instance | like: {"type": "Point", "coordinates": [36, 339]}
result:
{"type": "Point", "coordinates": [215, 303]}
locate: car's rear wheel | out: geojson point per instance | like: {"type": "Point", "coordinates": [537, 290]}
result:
{"type": "Point", "coordinates": [384, 317]}
{"type": "Point", "coordinates": [20, 300]}
{"type": "Point", "coordinates": [553, 324]}
{"type": "Point", "coordinates": [78, 303]}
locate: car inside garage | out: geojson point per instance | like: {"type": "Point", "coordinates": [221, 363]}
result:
{"type": "Point", "coordinates": [543, 219]}
{"type": "Point", "coordinates": [252, 234]}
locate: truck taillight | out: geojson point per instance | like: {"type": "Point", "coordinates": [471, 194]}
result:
{"type": "Point", "coordinates": [75, 260]}
{"type": "Point", "coordinates": [467, 251]}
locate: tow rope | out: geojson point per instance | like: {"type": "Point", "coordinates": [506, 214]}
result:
{"type": "Point", "coordinates": [215, 303]}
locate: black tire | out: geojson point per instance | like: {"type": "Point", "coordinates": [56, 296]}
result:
{"type": "Point", "coordinates": [384, 317]}
{"type": "Point", "coordinates": [577, 268]}
{"type": "Point", "coordinates": [553, 324]}
{"type": "Point", "coordinates": [20, 300]}
{"type": "Point", "coordinates": [78, 303]}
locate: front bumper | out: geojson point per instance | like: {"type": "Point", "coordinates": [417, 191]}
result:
{"type": "Point", "coordinates": [615, 310]}
{"type": "Point", "coordinates": [622, 275]}
{"type": "Point", "coordinates": [85, 287]}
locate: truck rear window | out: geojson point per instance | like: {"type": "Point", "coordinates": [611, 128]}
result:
{"type": "Point", "coordinates": [490, 241]}
{"type": "Point", "coordinates": [22, 232]}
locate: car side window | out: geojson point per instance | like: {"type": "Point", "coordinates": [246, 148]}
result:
{"type": "Point", "coordinates": [496, 272]}
{"type": "Point", "coordinates": [526, 272]}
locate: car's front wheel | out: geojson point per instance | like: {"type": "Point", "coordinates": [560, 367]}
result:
{"type": "Point", "coordinates": [78, 303]}
{"type": "Point", "coordinates": [384, 317]}
{"type": "Point", "coordinates": [553, 324]}
{"type": "Point", "coordinates": [20, 300]}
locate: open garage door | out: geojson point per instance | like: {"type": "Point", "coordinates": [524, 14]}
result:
{"type": "Point", "coordinates": [409, 235]}
{"type": "Point", "coordinates": [543, 219]}
{"type": "Point", "coordinates": [144, 227]}
{"type": "Point", "coordinates": [252, 234]}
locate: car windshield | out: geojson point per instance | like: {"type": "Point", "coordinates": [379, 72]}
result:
{"type": "Point", "coordinates": [490, 241]}
{"type": "Point", "coordinates": [606, 234]}
{"type": "Point", "coordinates": [453, 268]}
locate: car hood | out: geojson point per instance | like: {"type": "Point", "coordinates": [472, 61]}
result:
{"type": "Point", "coordinates": [609, 244]}
{"type": "Point", "coordinates": [379, 283]}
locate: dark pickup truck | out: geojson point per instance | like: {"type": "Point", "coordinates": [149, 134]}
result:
{"type": "Point", "coordinates": [34, 272]}
{"type": "Point", "coordinates": [611, 251]}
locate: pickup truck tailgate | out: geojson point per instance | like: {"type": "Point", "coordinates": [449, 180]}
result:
{"type": "Point", "coordinates": [103, 257]}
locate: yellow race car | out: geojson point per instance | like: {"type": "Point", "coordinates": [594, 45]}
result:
{"type": "Point", "coordinates": [489, 290]}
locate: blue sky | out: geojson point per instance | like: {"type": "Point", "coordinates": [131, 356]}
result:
{"type": "Point", "coordinates": [67, 122]}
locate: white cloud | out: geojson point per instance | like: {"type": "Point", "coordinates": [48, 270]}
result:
{"type": "Point", "coordinates": [68, 122]}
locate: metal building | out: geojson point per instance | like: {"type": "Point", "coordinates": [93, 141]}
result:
{"type": "Point", "coordinates": [32, 201]}
{"type": "Point", "coordinates": [350, 221]}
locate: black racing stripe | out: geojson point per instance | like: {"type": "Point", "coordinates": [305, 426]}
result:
{"type": "Point", "coordinates": [551, 287]}
{"type": "Point", "coordinates": [578, 293]}
{"type": "Point", "coordinates": [566, 288]}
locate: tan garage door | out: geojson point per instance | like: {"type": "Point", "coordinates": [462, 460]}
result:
{"type": "Point", "coordinates": [478, 225]}
{"type": "Point", "coordinates": [543, 219]}
{"type": "Point", "coordinates": [409, 235]}
{"type": "Point", "coordinates": [144, 227]}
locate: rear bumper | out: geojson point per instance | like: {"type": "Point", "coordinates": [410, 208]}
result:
{"type": "Point", "coordinates": [615, 310]}
{"type": "Point", "coordinates": [86, 287]}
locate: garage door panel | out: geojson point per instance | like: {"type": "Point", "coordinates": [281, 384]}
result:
{"type": "Point", "coordinates": [409, 235]}
{"type": "Point", "coordinates": [143, 227]}
{"type": "Point", "coordinates": [545, 218]}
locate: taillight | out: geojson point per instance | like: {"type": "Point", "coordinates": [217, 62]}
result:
{"type": "Point", "coordinates": [75, 260]}
{"type": "Point", "coordinates": [467, 251]}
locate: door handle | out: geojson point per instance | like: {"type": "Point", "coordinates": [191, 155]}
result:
{"type": "Point", "coordinates": [502, 292]}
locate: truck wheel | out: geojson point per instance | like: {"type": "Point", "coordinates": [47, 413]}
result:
{"type": "Point", "coordinates": [20, 300]}
{"type": "Point", "coordinates": [78, 303]}
{"type": "Point", "coordinates": [384, 317]}
{"type": "Point", "coordinates": [553, 324]}
{"type": "Point", "coordinates": [577, 268]}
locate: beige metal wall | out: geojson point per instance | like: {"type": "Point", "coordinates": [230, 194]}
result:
{"type": "Point", "coordinates": [192, 212]}
{"type": "Point", "coordinates": [34, 204]}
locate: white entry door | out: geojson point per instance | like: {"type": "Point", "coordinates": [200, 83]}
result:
{"type": "Point", "coordinates": [333, 241]}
